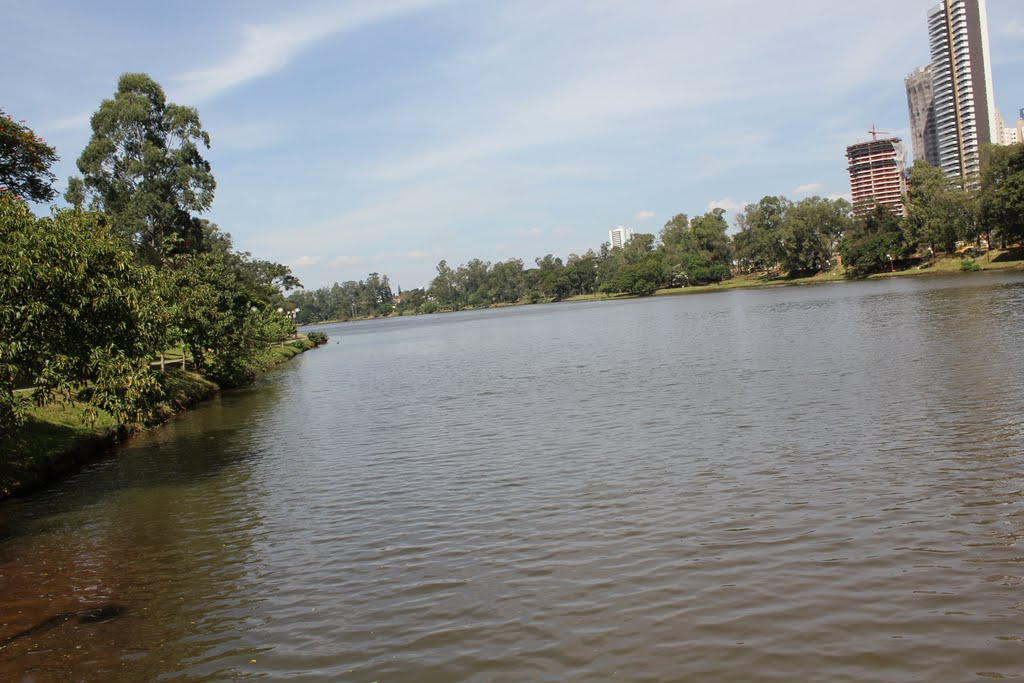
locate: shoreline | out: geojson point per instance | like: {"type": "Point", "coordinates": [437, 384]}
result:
{"type": "Point", "coordinates": [939, 266]}
{"type": "Point", "coordinates": [58, 441]}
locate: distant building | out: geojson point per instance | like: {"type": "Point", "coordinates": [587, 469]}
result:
{"type": "Point", "coordinates": [619, 236]}
{"type": "Point", "coordinates": [965, 113]}
{"type": "Point", "coordinates": [1009, 136]}
{"type": "Point", "coordinates": [921, 105]}
{"type": "Point", "coordinates": [877, 174]}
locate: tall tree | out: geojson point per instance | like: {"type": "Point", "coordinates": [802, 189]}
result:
{"type": "Point", "coordinates": [697, 252]}
{"type": "Point", "coordinates": [810, 233]}
{"type": "Point", "coordinates": [1002, 191]}
{"type": "Point", "coordinates": [938, 212]}
{"type": "Point", "coordinates": [759, 243]}
{"type": "Point", "coordinates": [25, 161]}
{"type": "Point", "coordinates": [143, 167]}
{"type": "Point", "coordinates": [675, 230]}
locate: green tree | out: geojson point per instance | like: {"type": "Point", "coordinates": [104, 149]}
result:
{"type": "Point", "coordinates": [25, 161]}
{"type": "Point", "coordinates": [810, 233]}
{"type": "Point", "coordinates": [508, 281]}
{"type": "Point", "coordinates": [641, 278]}
{"type": "Point", "coordinates": [77, 314]}
{"type": "Point", "coordinates": [873, 243]}
{"type": "Point", "coordinates": [551, 278]}
{"type": "Point", "coordinates": [675, 230]}
{"type": "Point", "coordinates": [1002, 191]}
{"type": "Point", "coordinates": [759, 243]}
{"type": "Point", "coordinates": [443, 288]}
{"type": "Point", "coordinates": [939, 212]}
{"type": "Point", "coordinates": [226, 329]}
{"type": "Point", "coordinates": [697, 251]}
{"type": "Point", "coordinates": [143, 167]}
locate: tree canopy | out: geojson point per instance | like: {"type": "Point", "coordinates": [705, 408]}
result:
{"type": "Point", "coordinates": [143, 167]}
{"type": "Point", "coordinates": [25, 161]}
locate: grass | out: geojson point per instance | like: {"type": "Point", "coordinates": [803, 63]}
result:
{"type": "Point", "coordinates": [54, 439]}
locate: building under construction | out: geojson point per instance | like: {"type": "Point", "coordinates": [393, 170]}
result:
{"type": "Point", "coordinates": [877, 174]}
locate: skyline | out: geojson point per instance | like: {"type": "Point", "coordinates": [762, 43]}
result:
{"type": "Point", "coordinates": [350, 138]}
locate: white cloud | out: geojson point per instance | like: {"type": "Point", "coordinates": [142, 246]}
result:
{"type": "Point", "coordinates": [304, 261]}
{"type": "Point", "coordinates": [345, 261]}
{"type": "Point", "coordinates": [532, 232]}
{"type": "Point", "coordinates": [563, 231]}
{"type": "Point", "coordinates": [727, 203]}
{"type": "Point", "coordinates": [845, 195]}
{"type": "Point", "coordinates": [644, 216]}
{"type": "Point", "coordinates": [502, 248]}
{"type": "Point", "coordinates": [267, 48]}
{"type": "Point", "coordinates": [806, 189]}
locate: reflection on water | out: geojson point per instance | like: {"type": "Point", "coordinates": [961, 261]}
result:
{"type": "Point", "coordinates": [816, 483]}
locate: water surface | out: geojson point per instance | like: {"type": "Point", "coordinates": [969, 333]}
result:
{"type": "Point", "coordinates": [804, 483]}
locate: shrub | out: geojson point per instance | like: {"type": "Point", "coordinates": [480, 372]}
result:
{"type": "Point", "coordinates": [969, 264]}
{"type": "Point", "coordinates": [318, 338]}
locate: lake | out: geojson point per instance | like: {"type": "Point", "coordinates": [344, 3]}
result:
{"type": "Point", "coordinates": [818, 483]}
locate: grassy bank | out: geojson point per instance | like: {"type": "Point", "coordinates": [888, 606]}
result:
{"type": "Point", "coordinates": [1006, 259]}
{"type": "Point", "coordinates": [59, 438]}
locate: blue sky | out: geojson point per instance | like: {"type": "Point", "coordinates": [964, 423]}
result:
{"type": "Point", "coordinates": [352, 137]}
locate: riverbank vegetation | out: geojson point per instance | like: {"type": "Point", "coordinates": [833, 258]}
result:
{"type": "Point", "coordinates": [778, 240]}
{"type": "Point", "coordinates": [93, 295]}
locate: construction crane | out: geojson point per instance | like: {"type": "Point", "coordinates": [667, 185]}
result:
{"type": "Point", "coordinates": [875, 133]}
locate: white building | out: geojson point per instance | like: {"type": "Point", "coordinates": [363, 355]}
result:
{"type": "Point", "coordinates": [619, 236]}
{"type": "Point", "coordinates": [965, 112]}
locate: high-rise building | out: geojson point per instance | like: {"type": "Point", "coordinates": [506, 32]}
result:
{"type": "Point", "coordinates": [619, 236]}
{"type": "Point", "coordinates": [877, 174]}
{"type": "Point", "coordinates": [921, 104]}
{"type": "Point", "coordinates": [965, 113]}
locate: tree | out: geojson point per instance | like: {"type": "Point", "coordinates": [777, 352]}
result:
{"type": "Point", "coordinates": [551, 277]}
{"type": "Point", "coordinates": [144, 168]}
{"type": "Point", "coordinates": [874, 241]}
{"type": "Point", "coordinates": [77, 314]}
{"type": "Point", "coordinates": [810, 233]}
{"type": "Point", "coordinates": [442, 287]}
{"type": "Point", "coordinates": [675, 230]}
{"type": "Point", "coordinates": [939, 212]}
{"type": "Point", "coordinates": [25, 161]}
{"type": "Point", "coordinates": [1002, 191]}
{"type": "Point", "coordinates": [759, 243]}
{"type": "Point", "coordinates": [697, 251]}
{"type": "Point", "coordinates": [226, 329]}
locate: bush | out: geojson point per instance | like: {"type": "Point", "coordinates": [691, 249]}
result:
{"type": "Point", "coordinates": [318, 338]}
{"type": "Point", "coordinates": [969, 264]}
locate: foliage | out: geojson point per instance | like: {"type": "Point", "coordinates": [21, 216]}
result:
{"type": "Point", "coordinates": [227, 330]}
{"type": "Point", "coordinates": [697, 251]}
{"type": "Point", "coordinates": [759, 243]}
{"type": "Point", "coordinates": [318, 338]}
{"type": "Point", "coordinates": [969, 265]}
{"type": "Point", "coordinates": [875, 241]}
{"type": "Point", "coordinates": [1002, 191]}
{"type": "Point", "coordinates": [641, 278]}
{"type": "Point", "coordinates": [939, 212]}
{"type": "Point", "coordinates": [143, 167]}
{"type": "Point", "coordinates": [76, 313]}
{"type": "Point", "coordinates": [25, 161]}
{"type": "Point", "coordinates": [810, 233]}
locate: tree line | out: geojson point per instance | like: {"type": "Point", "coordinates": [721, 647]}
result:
{"type": "Point", "coordinates": [91, 294]}
{"type": "Point", "coordinates": [776, 236]}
